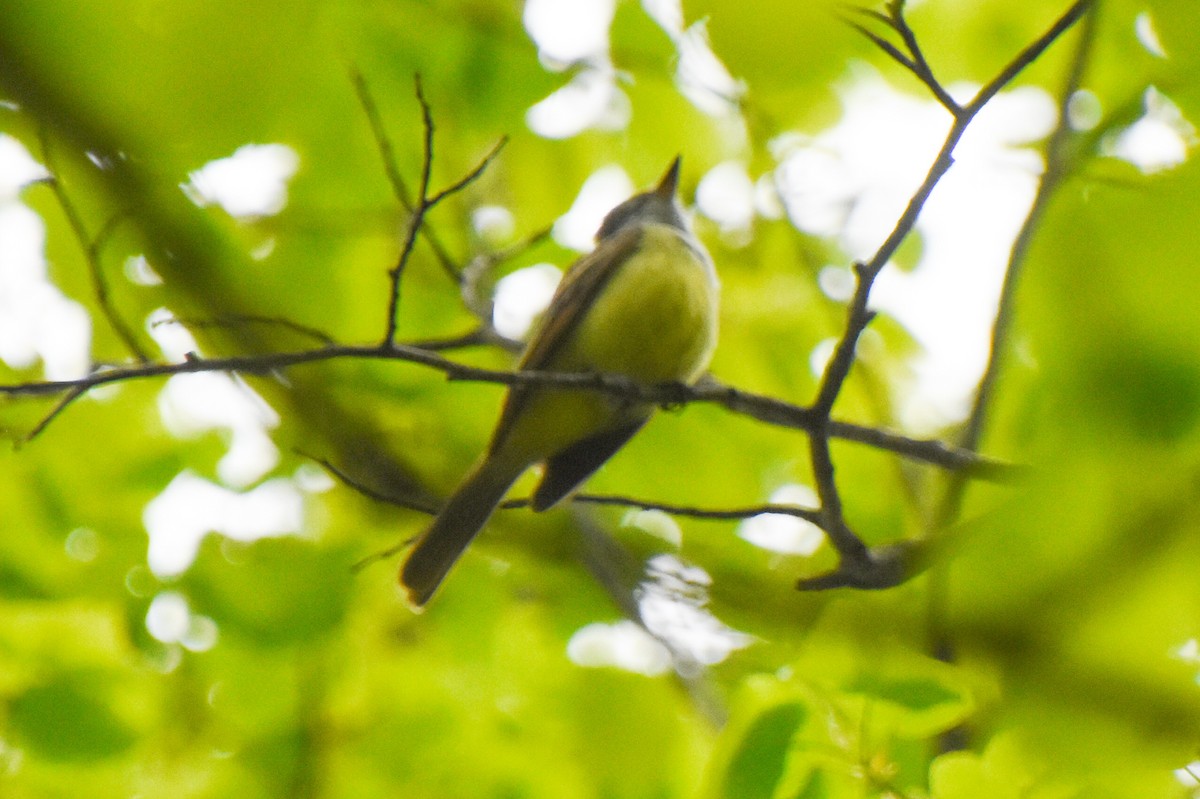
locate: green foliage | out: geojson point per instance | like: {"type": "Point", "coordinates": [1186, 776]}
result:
{"type": "Point", "coordinates": [1061, 606]}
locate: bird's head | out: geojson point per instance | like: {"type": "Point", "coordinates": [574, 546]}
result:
{"type": "Point", "coordinates": [657, 205]}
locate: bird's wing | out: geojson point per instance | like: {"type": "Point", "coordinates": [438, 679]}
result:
{"type": "Point", "coordinates": [579, 287]}
{"type": "Point", "coordinates": [567, 469]}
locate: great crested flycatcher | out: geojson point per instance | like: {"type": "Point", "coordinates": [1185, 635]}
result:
{"type": "Point", "coordinates": [642, 304]}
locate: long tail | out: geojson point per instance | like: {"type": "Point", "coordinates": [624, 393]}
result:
{"type": "Point", "coordinates": [464, 515]}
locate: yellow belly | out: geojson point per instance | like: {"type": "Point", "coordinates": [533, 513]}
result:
{"type": "Point", "coordinates": [654, 321]}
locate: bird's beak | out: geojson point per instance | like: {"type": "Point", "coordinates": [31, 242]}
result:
{"type": "Point", "coordinates": [670, 181]}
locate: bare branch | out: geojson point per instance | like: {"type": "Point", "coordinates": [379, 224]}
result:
{"type": "Point", "coordinates": [482, 336]}
{"type": "Point", "coordinates": [887, 47]}
{"type": "Point", "coordinates": [859, 564]}
{"type": "Point", "coordinates": [766, 409]}
{"type": "Point", "coordinates": [415, 220]}
{"type": "Point", "coordinates": [387, 154]}
{"type": "Point", "coordinates": [91, 247]}
{"type": "Point", "coordinates": [1028, 56]}
{"type": "Point", "coordinates": [383, 142]}
{"type": "Point", "coordinates": [246, 320]}
{"type": "Point", "coordinates": [921, 67]}
{"type": "Point", "coordinates": [61, 406]}
{"type": "Point", "coordinates": [914, 61]}
{"type": "Point", "coordinates": [474, 276]}
{"type": "Point", "coordinates": [471, 176]}
{"type": "Point", "coordinates": [367, 491]}
{"type": "Point", "coordinates": [423, 205]}
{"type": "Point", "coordinates": [711, 514]}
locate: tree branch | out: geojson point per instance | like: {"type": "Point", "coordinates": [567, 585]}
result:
{"type": "Point", "coordinates": [91, 247]}
{"type": "Point", "coordinates": [388, 155]}
{"type": "Point", "coordinates": [1028, 56]}
{"type": "Point", "coordinates": [766, 409]}
{"type": "Point", "coordinates": [859, 566]}
{"type": "Point", "coordinates": [423, 205]}
{"type": "Point", "coordinates": [914, 60]}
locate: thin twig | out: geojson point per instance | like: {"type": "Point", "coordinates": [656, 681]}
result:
{"type": "Point", "coordinates": [914, 61]}
{"type": "Point", "coordinates": [474, 275]}
{"type": "Point", "coordinates": [810, 515]}
{"type": "Point", "coordinates": [921, 67]}
{"type": "Point", "coordinates": [708, 514]}
{"type": "Point", "coordinates": [470, 177]}
{"type": "Point", "coordinates": [91, 247]}
{"type": "Point", "coordinates": [891, 50]}
{"type": "Point", "coordinates": [387, 154]}
{"type": "Point", "coordinates": [383, 142]}
{"type": "Point", "coordinates": [423, 205]}
{"type": "Point", "coordinates": [520, 247]}
{"type": "Point", "coordinates": [482, 336]}
{"type": "Point", "coordinates": [58, 408]}
{"type": "Point", "coordinates": [1028, 56]}
{"type": "Point", "coordinates": [244, 320]}
{"type": "Point", "coordinates": [367, 491]}
{"type": "Point", "coordinates": [415, 220]}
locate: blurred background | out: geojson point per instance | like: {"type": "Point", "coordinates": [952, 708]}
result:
{"type": "Point", "coordinates": [180, 612]}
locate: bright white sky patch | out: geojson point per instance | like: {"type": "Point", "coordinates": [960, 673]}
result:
{"type": "Point", "coordinates": [248, 184]}
{"type": "Point", "coordinates": [17, 168]}
{"type": "Point", "coordinates": [673, 605]}
{"type": "Point", "coordinates": [493, 223]}
{"type": "Point", "coordinates": [1084, 110]}
{"type": "Point", "coordinates": [566, 32]}
{"type": "Point", "coordinates": [782, 533]}
{"type": "Point", "coordinates": [170, 619]}
{"type": "Point", "coordinates": [657, 523]}
{"type": "Point", "coordinates": [1143, 26]}
{"type": "Point", "coordinates": [726, 196]}
{"type": "Point", "coordinates": [819, 358]}
{"type": "Point", "coordinates": [1160, 140]}
{"type": "Point", "coordinates": [194, 404]}
{"type": "Point", "coordinates": [604, 190]}
{"type": "Point", "coordinates": [699, 73]}
{"type": "Point", "coordinates": [1189, 652]}
{"type": "Point", "coordinates": [837, 283]}
{"type": "Point", "coordinates": [140, 272]}
{"type": "Point", "coordinates": [521, 296]}
{"type": "Point", "coordinates": [623, 645]}
{"type": "Point", "coordinates": [703, 77]}
{"type": "Point", "coordinates": [191, 507]}
{"type": "Point", "coordinates": [167, 617]}
{"type": "Point", "coordinates": [667, 13]}
{"type": "Point", "coordinates": [1189, 775]}
{"type": "Point", "coordinates": [576, 33]}
{"type": "Point", "coordinates": [852, 181]}
{"type": "Point", "coordinates": [37, 321]}
{"type": "Point", "coordinates": [590, 100]}
{"type": "Point", "coordinates": [175, 340]}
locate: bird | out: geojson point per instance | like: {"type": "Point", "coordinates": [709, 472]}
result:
{"type": "Point", "coordinates": [643, 304]}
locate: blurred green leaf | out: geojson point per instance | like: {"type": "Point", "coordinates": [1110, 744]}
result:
{"type": "Point", "coordinates": [761, 756]}
{"type": "Point", "coordinates": [273, 592]}
{"type": "Point", "coordinates": [1066, 605]}
{"type": "Point", "coordinates": [63, 720]}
